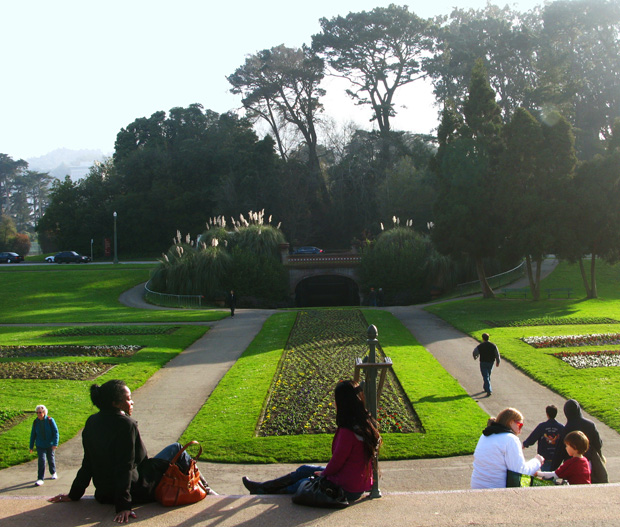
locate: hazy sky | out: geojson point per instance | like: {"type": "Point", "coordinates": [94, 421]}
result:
{"type": "Point", "coordinates": [76, 72]}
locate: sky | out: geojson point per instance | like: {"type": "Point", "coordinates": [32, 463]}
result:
{"type": "Point", "coordinates": [76, 72]}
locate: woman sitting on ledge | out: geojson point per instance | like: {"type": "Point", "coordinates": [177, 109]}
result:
{"type": "Point", "coordinates": [499, 450]}
{"type": "Point", "coordinates": [115, 457]}
{"type": "Point", "coordinates": [355, 449]}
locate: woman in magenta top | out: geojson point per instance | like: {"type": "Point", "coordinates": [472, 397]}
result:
{"type": "Point", "coordinates": [354, 450]}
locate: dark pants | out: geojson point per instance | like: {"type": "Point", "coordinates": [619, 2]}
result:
{"type": "Point", "coordinates": [304, 472]}
{"type": "Point", "coordinates": [172, 450]}
{"type": "Point", "coordinates": [485, 369]}
{"type": "Point", "coordinates": [51, 460]}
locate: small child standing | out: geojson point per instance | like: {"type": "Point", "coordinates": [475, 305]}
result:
{"type": "Point", "coordinates": [576, 469]}
{"type": "Point", "coordinates": [547, 434]}
{"type": "Point", "coordinates": [44, 435]}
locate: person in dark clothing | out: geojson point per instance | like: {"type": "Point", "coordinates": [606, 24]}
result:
{"type": "Point", "coordinates": [547, 434]}
{"type": "Point", "coordinates": [489, 354]}
{"type": "Point", "coordinates": [232, 302]}
{"type": "Point", "coordinates": [576, 421]}
{"type": "Point", "coordinates": [115, 457]}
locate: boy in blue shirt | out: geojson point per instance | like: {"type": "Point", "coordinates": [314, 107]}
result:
{"type": "Point", "coordinates": [547, 434]}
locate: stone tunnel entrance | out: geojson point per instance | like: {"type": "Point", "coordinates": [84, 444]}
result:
{"type": "Point", "coordinates": [327, 290]}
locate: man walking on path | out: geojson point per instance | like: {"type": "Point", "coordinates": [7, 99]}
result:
{"type": "Point", "coordinates": [489, 354]}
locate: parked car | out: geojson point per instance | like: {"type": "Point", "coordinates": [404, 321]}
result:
{"type": "Point", "coordinates": [308, 250]}
{"type": "Point", "coordinates": [49, 259]}
{"type": "Point", "coordinates": [10, 258]}
{"type": "Point", "coordinates": [71, 256]}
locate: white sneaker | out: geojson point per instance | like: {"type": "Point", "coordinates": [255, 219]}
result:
{"type": "Point", "coordinates": [39, 482]}
{"type": "Point", "coordinates": [55, 475]}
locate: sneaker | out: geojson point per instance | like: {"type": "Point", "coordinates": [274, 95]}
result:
{"type": "Point", "coordinates": [55, 475]}
{"type": "Point", "coordinates": [39, 482]}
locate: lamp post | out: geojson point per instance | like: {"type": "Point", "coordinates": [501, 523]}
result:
{"type": "Point", "coordinates": [115, 247]}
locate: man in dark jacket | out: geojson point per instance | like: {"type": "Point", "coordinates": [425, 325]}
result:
{"type": "Point", "coordinates": [576, 421]}
{"type": "Point", "coordinates": [489, 354]}
{"type": "Point", "coordinates": [547, 434]}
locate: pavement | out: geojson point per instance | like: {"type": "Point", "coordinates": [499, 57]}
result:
{"type": "Point", "coordinates": [414, 492]}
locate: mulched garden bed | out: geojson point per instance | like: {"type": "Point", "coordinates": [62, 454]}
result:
{"type": "Point", "coordinates": [321, 351]}
{"type": "Point", "coordinates": [87, 331]}
{"type": "Point", "coordinates": [72, 371]}
{"type": "Point", "coordinates": [591, 359]}
{"type": "Point", "coordinates": [567, 341]}
{"type": "Point", "coordinates": [70, 350]}
{"type": "Point", "coordinates": [550, 321]}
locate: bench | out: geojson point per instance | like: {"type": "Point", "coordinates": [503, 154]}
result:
{"type": "Point", "coordinates": [516, 290]}
{"type": "Point", "coordinates": [567, 290]}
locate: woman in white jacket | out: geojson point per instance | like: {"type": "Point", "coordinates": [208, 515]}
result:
{"type": "Point", "coordinates": [499, 450]}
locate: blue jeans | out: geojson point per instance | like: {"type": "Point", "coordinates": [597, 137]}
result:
{"type": "Point", "coordinates": [48, 453]}
{"type": "Point", "coordinates": [485, 369]}
{"type": "Point", "coordinates": [172, 450]}
{"type": "Point", "coordinates": [304, 472]}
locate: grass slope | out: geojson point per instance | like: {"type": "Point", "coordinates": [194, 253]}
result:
{"type": "Point", "coordinates": [81, 293]}
{"type": "Point", "coordinates": [597, 389]}
{"type": "Point", "coordinates": [227, 422]}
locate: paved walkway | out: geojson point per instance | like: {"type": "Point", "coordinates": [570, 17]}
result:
{"type": "Point", "coordinates": [426, 492]}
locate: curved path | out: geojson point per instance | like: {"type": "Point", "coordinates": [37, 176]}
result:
{"type": "Point", "coordinates": [165, 405]}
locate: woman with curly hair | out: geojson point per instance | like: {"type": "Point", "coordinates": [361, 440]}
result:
{"type": "Point", "coordinates": [355, 449]}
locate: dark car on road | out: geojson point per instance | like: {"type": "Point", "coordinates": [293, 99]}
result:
{"type": "Point", "coordinates": [70, 257]}
{"type": "Point", "coordinates": [10, 258]}
{"type": "Point", "coordinates": [308, 250]}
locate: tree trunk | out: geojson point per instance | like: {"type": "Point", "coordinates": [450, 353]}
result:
{"type": "Point", "coordinates": [530, 274]}
{"type": "Point", "coordinates": [536, 293]}
{"type": "Point", "coordinates": [487, 292]}
{"type": "Point", "coordinates": [593, 290]}
{"type": "Point", "coordinates": [584, 277]}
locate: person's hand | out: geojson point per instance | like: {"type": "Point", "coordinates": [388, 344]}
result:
{"type": "Point", "coordinates": [54, 448]}
{"type": "Point", "coordinates": [59, 498]}
{"type": "Point", "coordinates": [31, 450]}
{"type": "Point", "coordinates": [540, 458]}
{"type": "Point", "coordinates": [123, 516]}
{"type": "Point", "coordinates": [318, 472]}
{"type": "Point", "coordinates": [537, 474]}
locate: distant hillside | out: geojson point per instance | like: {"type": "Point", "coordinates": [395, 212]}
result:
{"type": "Point", "coordinates": [62, 162]}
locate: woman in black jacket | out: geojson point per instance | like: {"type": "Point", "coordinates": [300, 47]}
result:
{"type": "Point", "coordinates": [115, 457]}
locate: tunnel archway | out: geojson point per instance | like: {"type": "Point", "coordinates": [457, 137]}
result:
{"type": "Point", "coordinates": [327, 290]}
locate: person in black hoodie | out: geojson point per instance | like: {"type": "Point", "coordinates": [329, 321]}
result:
{"type": "Point", "coordinates": [576, 421]}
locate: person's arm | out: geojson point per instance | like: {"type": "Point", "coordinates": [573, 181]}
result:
{"type": "Point", "coordinates": [497, 357]}
{"type": "Point", "coordinates": [33, 435]}
{"type": "Point", "coordinates": [340, 451]}
{"type": "Point", "coordinates": [534, 436]}
{"type": "Point", "coordinates": [516, 462]}
{"type": "Point", "coordinates": [476, 352]}
{"type": "Point", "coordinates": [55, 435]}
{"type": "Point", "coordinates": [546, 475]}
{"type": "Point", "coordinates": [123, 463]}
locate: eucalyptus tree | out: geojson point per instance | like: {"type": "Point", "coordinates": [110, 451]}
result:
{"type": "Point", "coordinates": [281, 86]}
{"type": "Point", "coordinates": [505, 39]}
{"type": "Point", "coordinates": [467, 222]}
{"type": "Point", "coordinates": [537, 167]}
{"type": "Point", "coordinates": [580, 65]}
{"type": "Point", "coordinates": [378, 52]}
{"type": "Point", "coordinates": [9, 171]}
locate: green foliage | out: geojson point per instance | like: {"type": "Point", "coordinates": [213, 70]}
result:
{"type": "Point", "coordinates": [257, 275]}
{"type": "Point", "coordinates": [397, 262]}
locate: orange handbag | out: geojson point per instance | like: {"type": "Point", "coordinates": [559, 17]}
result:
{"type": "Point", "coordinates": [178, 488]}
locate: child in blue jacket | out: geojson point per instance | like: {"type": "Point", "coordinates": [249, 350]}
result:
{"type": "Point", "coordinates": [45, 436]}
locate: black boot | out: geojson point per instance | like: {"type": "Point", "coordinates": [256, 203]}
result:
{"type": "Point", "coordinates": [274, 486]}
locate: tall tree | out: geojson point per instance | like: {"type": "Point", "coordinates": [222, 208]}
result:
{"type": "Point", "coordinates": [9, 171]}
{"type": "Point", "coordinates": [281, 86]}
{"type": "Point", "coordinates": [377, 51]}
{"type": "Point", "coordinates": [467, 222]}
{"type": "Point", "coordinates": [536, 171]}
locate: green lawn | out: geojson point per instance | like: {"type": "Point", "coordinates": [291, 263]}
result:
{"type": "Point", "coordinates": [226, 424]}
{"type": "Point", "coordinates": [597, 389]}
{"type": "Point", "coordinates": [81, 293]}
{"type": "Point", "coordinates": [69, 401]}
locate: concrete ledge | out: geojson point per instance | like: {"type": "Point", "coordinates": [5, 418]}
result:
{"type": "Point", "coordinates": [595, 505]}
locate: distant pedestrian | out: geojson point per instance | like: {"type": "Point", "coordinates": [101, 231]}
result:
{"type": "Point", "coordinates": [372, 297]}
{"type": "Point", "coordinates": [44, 435]}
{"type": "Point", "coordinates": [232, 302]}
{"type": "Point", "coordinates": [547, 434]}
{"type": "Point", "coordinates": [380, 297]}
{"type": "Point", "coordinates": [489, 354]}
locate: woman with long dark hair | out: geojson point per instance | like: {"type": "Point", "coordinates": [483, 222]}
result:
{"type": "Point", "coordinates": [115, 457]}
{"type": "Point", "coordinates": [355, 450]}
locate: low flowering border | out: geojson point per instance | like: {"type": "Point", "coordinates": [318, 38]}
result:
{"type": "Point", "coordinates": [567, 341]}
{"type": "Point", "coordinates": [70, 371]}
{"type": "Point", "coordinates": [591, 359]}
{"type": "Point", "coordinates": [70, 350]}
{"type": "Point", "coordinates": [550, 321]}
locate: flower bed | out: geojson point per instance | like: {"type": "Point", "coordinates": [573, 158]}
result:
{"type": "Point", "coordinates": [567, 341]}
{"type": "Point", "coordinates": [87, 331]}
{"type": "Point", "coordinates": [321, 351]}
{"type": "Point", "coordinates": [591, 359]}
{"type": "Point", "coordinates": [73, 371]}
{"type": "Point", "coordinates": [550, 321]}
{"type": "Point", "coordinates": [71, 350]}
